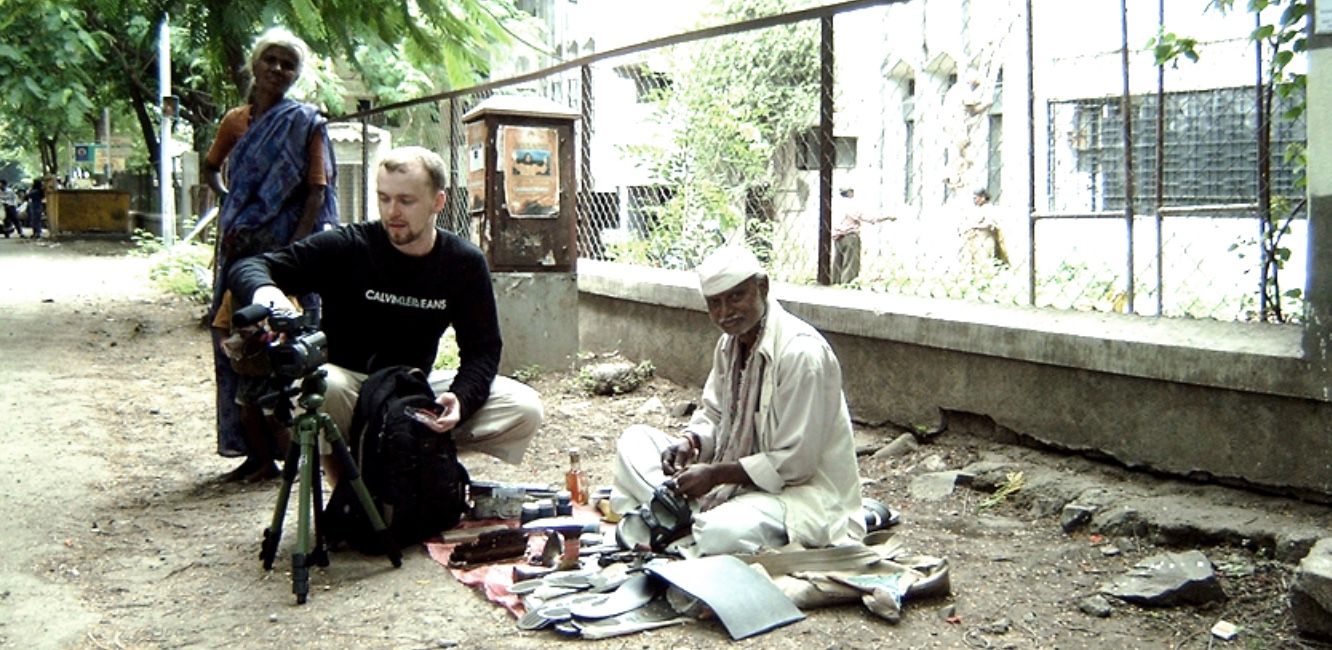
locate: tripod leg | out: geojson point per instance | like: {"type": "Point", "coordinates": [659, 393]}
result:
{"type": "Point", "coordinates": [273, 534]}
{"type": "Point", "coordinates": [306, 428]}
{"type": "Point", "coordinates": [352, 473]}
{"type": "Point", "coordinates": [319, 556]}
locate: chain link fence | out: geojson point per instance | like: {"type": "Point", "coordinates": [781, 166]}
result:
{"type": "Point", "coordinates": [953, 149]}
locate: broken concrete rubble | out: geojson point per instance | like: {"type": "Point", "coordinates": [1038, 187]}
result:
{"type": "Point", "coordinates": [1311, 592]}
{"type": "Point", "coordinates": [1169, 579]}
{"type": "Point", "coordinates": [933, 486]}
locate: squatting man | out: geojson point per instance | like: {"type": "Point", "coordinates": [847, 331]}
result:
{"type": "Point", "coordinates": [390, 289]}
{"type": "Point", "coordinates": [769, 458]}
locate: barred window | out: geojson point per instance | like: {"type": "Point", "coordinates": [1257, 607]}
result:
{"type": "Point", "coordinates": [1210, 148]}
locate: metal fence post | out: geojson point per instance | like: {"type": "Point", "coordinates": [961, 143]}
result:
{"type": "Point", "coordinates": [585, 129]}
{"type": "Point", "coordinates": [1128, 154]}
{"type": "Point", "coordinates": [1263, 162]}
{"type": "Point", "coordinates": [827, 148]}
{"type": "Point", "coordinates": [365, 166]}
{"type": "Point", "coordinates": [1031, 162]}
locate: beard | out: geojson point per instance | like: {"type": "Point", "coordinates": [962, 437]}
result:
{"type": "Point", "coordinates": [405, 236]}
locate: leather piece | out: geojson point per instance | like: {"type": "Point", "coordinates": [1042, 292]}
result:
{"type": "Point", "coordinates": [746, 602]}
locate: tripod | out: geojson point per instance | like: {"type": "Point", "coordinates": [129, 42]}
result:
{"type": "Point", "coordinates": [302, 456]}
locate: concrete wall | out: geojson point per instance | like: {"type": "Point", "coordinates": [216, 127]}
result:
{"type": "Point", "coordinates": [538, 315]}
{"type": "Point", "coordinates": [1229, 401]}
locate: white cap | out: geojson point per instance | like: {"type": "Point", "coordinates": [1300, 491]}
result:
{"type": "Point", "coordinates": [725, 268]}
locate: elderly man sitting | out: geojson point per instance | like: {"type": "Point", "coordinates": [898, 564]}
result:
{"type": "Point", "coordinates": [769, 459]}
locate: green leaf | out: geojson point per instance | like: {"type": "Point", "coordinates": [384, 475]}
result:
{"type": "Point", "coordinates": [1294, 13]}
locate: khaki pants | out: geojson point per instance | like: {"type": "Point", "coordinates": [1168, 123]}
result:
{"type": "Point", "coordinates": [502, 428]}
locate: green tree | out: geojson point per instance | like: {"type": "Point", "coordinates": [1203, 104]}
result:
{"type": "Point", "coordinates": [62, 58]}
{"type": "Point", "coordinates": [1281, 41]}
{"type": "Point", "coordinates": [735, 106]}
{"type": "Point", "coordinates": [47, 60]}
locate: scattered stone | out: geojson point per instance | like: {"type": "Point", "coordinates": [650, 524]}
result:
{"type": "Point", "coordinates": [900, 446]}
{"type": "Point", "coordinates": [1121, 520]}
{"type": "Point", "coordinates": [684, 409]}
{"type": "Point", "coordinates": [988, 475]}
{"type": "Point", "coordinates": [446, 643]}
{"type": "Point", "coordinates": [1096, 606]}
{"type": "Point", "coordinates": [934, 486]}
{"type": "Point", "coordinates": [1225, 630]}
{"type": "Point", "coordinates": [948, 611]}
{"type": "Point", "coordinates": [1311, 592]}
{"type": "Point", "coordinates": [934, 463]}
{"type": "Point", "coordinates": [651, 405]}
{"type": "Point", "coordinates": [1000, 626]}
{"type": "Point", "coordinates": [1075, 516]}
{"type": "Point", "coordinates": [1110, 550]}
{"type": "Point", "coordinates": [1293, 544]}
{"type": "Point", "coordinates": [272, 618]}
{"type": "Point", "coordinates": [614, 377]}
{"type": "Point", "coordinates": [1169, 579]}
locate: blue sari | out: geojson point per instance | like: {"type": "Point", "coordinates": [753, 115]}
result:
{"type": "Point", "coordinates": [267, 172]}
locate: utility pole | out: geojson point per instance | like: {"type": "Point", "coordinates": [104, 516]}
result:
{"type": "Point", "coordinates": [166, 189]}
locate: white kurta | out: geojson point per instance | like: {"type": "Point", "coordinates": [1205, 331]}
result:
{"type": "Point", "coordinates": [806, 459]}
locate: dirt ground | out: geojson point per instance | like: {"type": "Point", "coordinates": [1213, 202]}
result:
{"type": "Point", "coordinates": [120, 535]}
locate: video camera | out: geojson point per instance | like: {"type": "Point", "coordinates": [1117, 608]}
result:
{"type": "Point", "coordinates": [298, 350]}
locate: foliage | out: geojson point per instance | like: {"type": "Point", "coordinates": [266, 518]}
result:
{"type": "Point", "coordinates": [1013, 483]}
{"type": "Point", "coordinates": [1283, 39]}
{"type": "Point", "coordinates": [527, 374]}
{"type": "Point", "coordinates": [182, 270]}
{"type": "Point", "coordinates": [62, 60]}
{"type": "Point", "coordinates": [447, 355]}
{"type": "Point", "coordinates": [614, 377]}
{"type": "Point", "coordinates": [47, 64]}
{"type": "Point", "coordinates": [1167, 47]}
{"type": "Point", "coordinates": [735, 105]}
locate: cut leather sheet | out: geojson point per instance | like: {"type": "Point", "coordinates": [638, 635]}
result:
{"type": "Point", "coordinates": [656, 614]}
{"type": "Point", "coordinates": [744, 600]}
{"type": "Point", "coordinates": [632, 594]}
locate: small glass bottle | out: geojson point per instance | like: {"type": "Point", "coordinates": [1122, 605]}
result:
{"type": "Point", "coordinates": [575, 481]}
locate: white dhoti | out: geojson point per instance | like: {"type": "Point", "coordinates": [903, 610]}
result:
{"type": "Point", "coordinates": [744, 524]}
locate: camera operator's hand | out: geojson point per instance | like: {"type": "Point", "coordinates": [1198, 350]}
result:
{"type": "Point", "coordinates": [273, 298]}
{"type": "Point", "coordinates": [449, 413]}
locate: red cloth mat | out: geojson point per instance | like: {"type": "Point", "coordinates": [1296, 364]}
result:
{"type": "Point", "coordinates": [492, 580]}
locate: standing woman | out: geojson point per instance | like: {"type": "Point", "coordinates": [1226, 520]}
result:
{"type": "Point", "coordinates": [279, 189]}
{"type": "Point", "coordinates": [36, 207]}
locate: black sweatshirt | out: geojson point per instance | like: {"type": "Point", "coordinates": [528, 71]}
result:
{"type": "Point", "coordinates": [381, 307]}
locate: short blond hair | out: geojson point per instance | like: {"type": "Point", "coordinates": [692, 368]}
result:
{"type": "Point", "coordinates": [401, 159]}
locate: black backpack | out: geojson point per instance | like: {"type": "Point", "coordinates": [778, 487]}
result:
{"type": "Point", "coordinates": [412, 472]}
